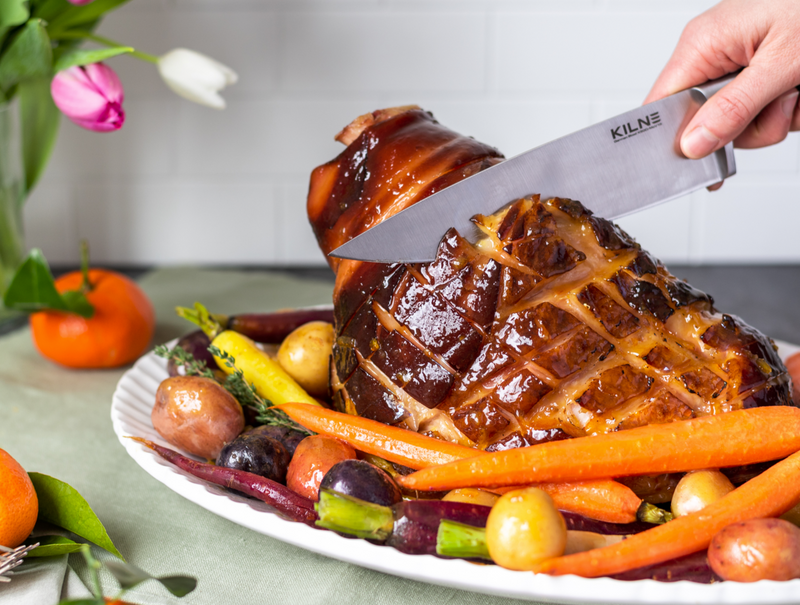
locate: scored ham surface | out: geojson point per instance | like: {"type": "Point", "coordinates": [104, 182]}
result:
{"type": "Point", "coordinates": [556, 325]}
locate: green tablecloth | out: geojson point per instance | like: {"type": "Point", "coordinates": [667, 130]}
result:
{"type": "Point", "coordinates": [57, 422]}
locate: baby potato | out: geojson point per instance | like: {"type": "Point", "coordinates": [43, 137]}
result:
{"type": "Point", "coordinates": [197, 415]}
{"type": "Point", "coordinates": [759, 549]}
{"type": "Point", "coordinates": [698, 489]}
{"type": "Point", "coordinates": [471, 495]}
{"type": "Point", "coordinates": [525, 528]}
{"type": "Point", "coordinates": [305, 355]}
{"type": "Point", "coordinates": [313, 458]}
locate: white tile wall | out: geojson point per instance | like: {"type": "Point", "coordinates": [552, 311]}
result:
{"type": "Point", "coordinates": [182, 183]}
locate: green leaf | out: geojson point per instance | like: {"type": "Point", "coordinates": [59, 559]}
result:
{"type": "Point", "coordinates": [129, 576]}
{"type": "Point", "coordinates": [84, 57]}
{"type": "Point", "coordinates": [50, 546]}
{"type": "Point", "coordinates": [62, 505]}
{"type": "Point", "coordinates": [48, 10]}
{"type": "Point", "coordinates": [28, 55]}
{"type": "Point", "coordinates": [13, 12]}
{"type": "Point", "coordinates": [32, 289]}
{"type": "Point", "coordinates": [39, 119]}
{"type": "Point", "coordinates": [79, 15]}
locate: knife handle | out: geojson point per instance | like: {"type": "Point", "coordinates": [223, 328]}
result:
{"type": "Point", "coordinates": [703, 93]}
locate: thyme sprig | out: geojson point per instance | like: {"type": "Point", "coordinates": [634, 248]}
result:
{"type": "Point", "coordinates": [235, 383]}
{"type": "Point", "coordinates": [183, 358]}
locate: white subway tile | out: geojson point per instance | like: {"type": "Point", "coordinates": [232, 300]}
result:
{"type": "Point", "coordinates": [297, 244]}
{"type": "Point", "coordinates": [166, 222]}
{"type": "Point", "coordinates": [782, 157]}
{"type": "Point", "coordinates": [383, 51]}
{"type": "Point", "coordinates": [663, 230]}
{"type": "Point", "coordinates": [145, 145]}
{"type": "Point", "coordinates": [245, 41]}
{"type": "Point", "coordinates": [50, 221]}
{"type": "Point", "coordinates": [750, 223]}
{"type": "Point", "coordinates": [513, 126]}
{"type": "Point", "coordinates": [584, 52]}
{"type": "Point", "coordinates": [264, 137]}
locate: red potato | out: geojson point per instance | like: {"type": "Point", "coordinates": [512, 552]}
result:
{"type": "Point", "coordinates": [197, 415]}
{"type": "Point", "coordinates": [759, 549]}
{"type": "Point", "coordinates": [312, 459]}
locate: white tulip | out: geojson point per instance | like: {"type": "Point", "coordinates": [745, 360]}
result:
{"type": "Point", "coordinates": [195, 76]}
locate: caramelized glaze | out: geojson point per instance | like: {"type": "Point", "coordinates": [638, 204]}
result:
{"type": "Point", "coordinates": [557, 324]}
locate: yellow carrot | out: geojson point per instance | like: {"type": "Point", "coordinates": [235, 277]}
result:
{"type": "Point", "coordinates": [270, 380]}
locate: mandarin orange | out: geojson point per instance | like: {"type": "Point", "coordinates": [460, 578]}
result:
{"type": "Point", "coordinates": [119, 331]}
{"type": "Point", "coordinates": [19, 505]}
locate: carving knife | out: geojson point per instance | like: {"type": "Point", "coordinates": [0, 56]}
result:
{"type": "Point", "coordinates": [616, 167]}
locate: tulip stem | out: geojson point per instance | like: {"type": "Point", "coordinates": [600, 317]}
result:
{"type": "Point", "coordinates": [86, 287]}
{"type": "Point", "coordinates": [106, 42]}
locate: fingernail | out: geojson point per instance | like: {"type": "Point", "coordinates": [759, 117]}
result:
{"type": "Point", "coordinates": [699, 143]}
{"type": "Point", "coordinates": [788, 103]}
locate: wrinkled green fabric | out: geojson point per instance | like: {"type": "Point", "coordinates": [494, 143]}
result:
{"type": "Point", "coordinates": [57, 421]}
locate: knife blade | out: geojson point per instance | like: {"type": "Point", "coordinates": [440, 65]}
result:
{"type": "Point", "coordinates": [615, 167]}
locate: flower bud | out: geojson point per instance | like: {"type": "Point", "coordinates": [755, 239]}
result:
{"type": "Point", "coordinates": [195, 76]}
{"type": "Point", "coordinates": [91, 96]}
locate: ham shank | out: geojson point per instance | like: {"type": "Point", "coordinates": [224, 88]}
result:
{"type": "Point", "coordinates": [556, 325]}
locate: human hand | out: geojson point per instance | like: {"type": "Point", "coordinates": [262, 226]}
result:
{"type": "Point", "coordinates": [759, 107]}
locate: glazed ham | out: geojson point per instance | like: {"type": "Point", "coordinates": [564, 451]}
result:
{"type": "Point", "coordinates": [557, 324]}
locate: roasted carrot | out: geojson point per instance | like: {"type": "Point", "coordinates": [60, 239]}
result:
{"type": "Point", "coordinates": [389, 442]}
{"type": "Point", "coordinates": [601, 499]}
{"type": "Point", "coordinates": [604, 500]}
{"type": "Point", "coordinates": [729, 439]}
{"type": "Point", "coordinates": [770, 494]}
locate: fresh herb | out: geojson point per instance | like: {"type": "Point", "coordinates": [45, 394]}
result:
{"type": "Point", "coordinates": [186, 360]}
{"type": "Point", "coordinates": [128, 576]}
{"type": "Point", "coordinates": [247, 395]}
{"type": "Point", "coordinates": [235, 383]}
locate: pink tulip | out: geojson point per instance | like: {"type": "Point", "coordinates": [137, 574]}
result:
{"type": "Point", "coordinates": [91, 96]}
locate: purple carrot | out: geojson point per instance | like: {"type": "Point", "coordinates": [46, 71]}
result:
{"type": "Point", "coordinates": [271, 327]}
{"type": "Point", "coordinates": [196, 343]}
{"type": "Point", "coordinates": [416, 522]}
{"type": "Point", "coordinates": [578, 522]}
{"type": "Point", "coordinates": [693, 568]}
{"type": "Point", "coordinates": [273, 493]}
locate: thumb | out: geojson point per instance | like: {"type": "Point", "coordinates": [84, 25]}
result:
{"type": "Point", "coordinates": [726, 114]}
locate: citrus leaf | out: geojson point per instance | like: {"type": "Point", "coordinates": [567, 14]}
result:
{"type": "Point", "coordinates": [62, 505]}
{"type": "Point", "coordinates": [50, 546]}
{"type": "Point", "coordinates": [39, 120]}
{"type": "Point", "coordinates": [29, 55]}
{"type": "Point", "coordinates": [78, 303]}
{"type": "Point", "coordinates": [32, 289]}
{"type": "Point", "coordinates": [129, 576]}
{"type": "Point", "coordinates": [83, 57]}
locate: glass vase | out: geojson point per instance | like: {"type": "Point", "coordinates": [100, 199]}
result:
{"type": "Point", "coordinates": [12, 196]}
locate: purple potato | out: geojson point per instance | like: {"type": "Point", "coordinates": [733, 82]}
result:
{"type": "Point", "coordinates": [258, 454]}
{"type": "Point", "coordinates": [288, 437]}
{"type": "Point", "coordinates": [362, 480]}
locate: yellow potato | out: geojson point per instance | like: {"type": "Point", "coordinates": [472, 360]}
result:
{"type": "Point", "coordinates": [305, 355]}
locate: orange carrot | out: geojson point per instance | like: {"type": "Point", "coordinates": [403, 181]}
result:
{"type": "Point", "coordinates": [601, 499]}
{"type": "Point", "coordinates": [729, 439]}
{"type": "Point", "coordinates": [389, 442]}
{"type": "Point", "coordinates": [604, 500]}
{"type": "Point", "coordinates": [769, 494]}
